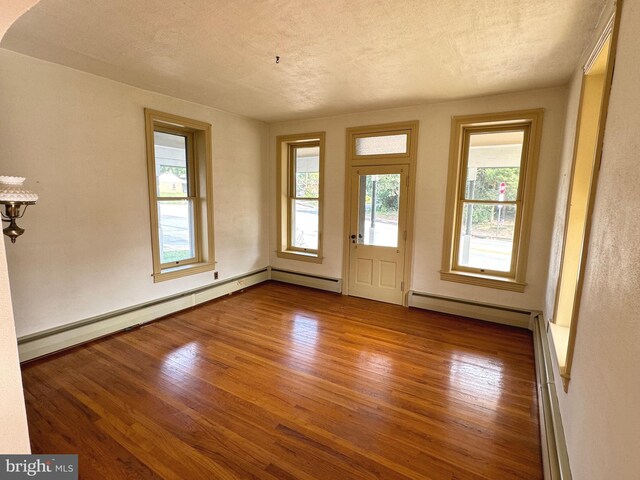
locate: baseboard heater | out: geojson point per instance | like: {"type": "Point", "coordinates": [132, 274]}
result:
{"type": "Point", "coordinates": [66, 336]}
{"type": "Point", "coordinates": [482, 311]}
{"type": "Point", "coordinates": [555, 457]}
{"type": "Point", "coordinates": [306, 280]}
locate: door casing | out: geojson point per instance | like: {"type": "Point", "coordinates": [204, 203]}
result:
{"type": "Point", "coordinates": [407, 159]}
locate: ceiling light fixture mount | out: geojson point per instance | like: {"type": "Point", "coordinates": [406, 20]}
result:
{"type": "Point", "coordinates": [13, 197]}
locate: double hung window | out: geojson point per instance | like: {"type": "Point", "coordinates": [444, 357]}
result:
{"type": "Point", "coordinates": [300, 175]}
{"type": "Point", "coordinates": [179, 169]}
{"type": "Point", "coordinates": [491, 184]}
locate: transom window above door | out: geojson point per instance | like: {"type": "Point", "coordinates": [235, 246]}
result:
{"type": "Point", "coordinates": [376, 144]}
{"type": "Point", "coordinates": [389, 146]}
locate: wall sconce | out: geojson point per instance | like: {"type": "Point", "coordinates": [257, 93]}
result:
{"type": "Point", "coordinates": [13, 196]}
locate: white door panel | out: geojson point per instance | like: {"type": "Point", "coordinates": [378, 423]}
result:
{"type": "Point", "coordinates": [377, 232]}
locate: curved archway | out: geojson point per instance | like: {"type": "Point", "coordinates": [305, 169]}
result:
{"type": "Point", "coordinates": [12, 12]}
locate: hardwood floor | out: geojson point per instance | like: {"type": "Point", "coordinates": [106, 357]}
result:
{"type": "Point", "coordinates": [283, 382]}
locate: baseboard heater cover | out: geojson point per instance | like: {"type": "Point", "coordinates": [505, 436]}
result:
{"type": "Point", "coordinates": [307, 280]}
{"type": "Point", "coordinates": [555, 456]}
{"type": "Point", "coordinates": [482, 311]}
{"type": "Point", "coordinates": [59, 338]}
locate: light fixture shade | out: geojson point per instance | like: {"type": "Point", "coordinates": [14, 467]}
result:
{"type": "Point", "coordinates": [11, 191]}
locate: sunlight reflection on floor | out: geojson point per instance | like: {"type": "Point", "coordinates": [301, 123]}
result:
{"type": "Point", "coordinates": [304, 337]}
{"type": "Point", "coordinates": [479, 377]}
{"type": "Point", "coordinates": [185, 357]}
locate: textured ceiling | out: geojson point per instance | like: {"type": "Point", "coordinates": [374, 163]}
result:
{"type": "Point", "coordinates": [336, 56]}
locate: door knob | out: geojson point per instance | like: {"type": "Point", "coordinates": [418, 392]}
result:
{"type": "Point", "coordinates": [353, 237]}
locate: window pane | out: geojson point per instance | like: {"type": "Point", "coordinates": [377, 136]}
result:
{"type": "Point", "coordinates": [493, 166]}
{"type": "Point", "coordinates": [381, 145]}
{"type": "Point", "coordinates": [379, 209]}
{"type": "Point", "coordinates": [307, 172]}
{"type": "Point", "coordinates": [177, 238]}
{"type": "Point", "coordinates": [171, 164]}
{"type": "Point", "coordinates": [486, 236]}
{"type": "Point", "coordinates": [304, 224]}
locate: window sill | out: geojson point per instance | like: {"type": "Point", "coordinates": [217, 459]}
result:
{"type": "Point", "coordinates": [183, 271]}
{"type": "Point", "coordinates": [489, 281]}
{"type": "Point", "coordinates": [305, 257]}
{"type": "Point", "coordinates": [560, 338]}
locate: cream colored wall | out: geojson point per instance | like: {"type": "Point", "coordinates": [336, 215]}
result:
{"type": "Point", "coordinates": [14, 436]}
{"type": "Point", "coordinates": [433, 158]}
{"type": "Point", "coordinates": [600, 410]}
{"type": "Point", "coordinates": [79, 140]}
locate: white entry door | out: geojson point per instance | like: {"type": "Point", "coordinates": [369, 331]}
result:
{"type": "Point", "coordinates": [377, 234]}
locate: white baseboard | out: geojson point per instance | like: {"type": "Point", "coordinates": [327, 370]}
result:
{"type": "Point", "coordinates": [482, 311]}
{"type": "Point", "coordinates": [60, 338]}
{"type": "Point", "coordinates": [555, 456]}
{"type": "Point", "coordinates": [306, 280]}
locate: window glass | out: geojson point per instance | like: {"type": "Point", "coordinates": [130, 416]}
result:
{"type": "Point", "coordinates": [305, 197]}
{"type": "Point", "coordinates": [486, 236]}
{"type": "Point", "coordinates": [176, 230]}
{"type": "Point", "coordinates": [493, 166]}
{"type": "Point", "coordinates": [171, 165]}
{"type": "Point", "coordinates": [379, 209]}
{"type": "Point", "coordinates": [492, 176]}
{"type": "Point", "coordinates": [304, 222]}
{"type": "Point", "coordinates": [382, 145]}
{"type": "Point", "coordinates": [307, 172]}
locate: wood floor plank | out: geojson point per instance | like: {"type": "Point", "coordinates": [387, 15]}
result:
{"type": "Point", "coordinates": [284, 382]}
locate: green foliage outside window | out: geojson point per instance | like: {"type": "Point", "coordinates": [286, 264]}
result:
{"type": "Point", "coordinates": [177, 171]}
{"type": "Point", "coordinates": [487, 187]}
{"type": "Point", "coordinates": [488, 181]}
{"type": "Point", "coordinates": [307, 184]}
{"type": "Point", "coordinates": [387, 192]}
{"type": "Point", "coordinates": [175, 255]}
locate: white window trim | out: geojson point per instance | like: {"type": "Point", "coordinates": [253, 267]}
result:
{"type": "Point", "coordinates": [283, 175]}
{"type": "Point", "coordinates": [202, 181]}
{"type": "Point", "coordinates": [515, 279]}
